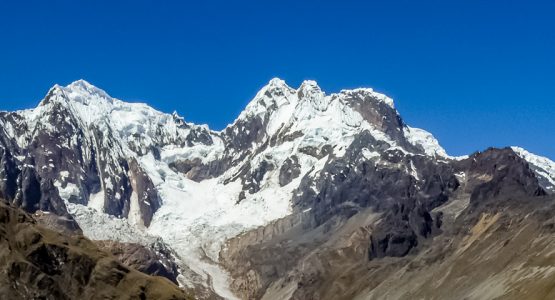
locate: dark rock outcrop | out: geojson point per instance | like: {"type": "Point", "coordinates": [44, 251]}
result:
{"type": "Point", "coordinates": [155, 260]}
{"type": "Point", "coordinates": [290, 170]}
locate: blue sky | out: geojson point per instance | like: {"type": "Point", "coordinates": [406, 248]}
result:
{"type": "Point", "coordinates": [474, 73]}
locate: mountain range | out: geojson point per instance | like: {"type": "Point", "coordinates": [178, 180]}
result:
{"type": "Point", "coordinates": [306, 195]}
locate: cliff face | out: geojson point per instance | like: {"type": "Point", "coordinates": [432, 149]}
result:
{"type": "Point", "coordinates": [458, 234]}
{"type": "Point", "coordinates": [38, 263]}
{"type": "Point", "coordinates": [154, 260]}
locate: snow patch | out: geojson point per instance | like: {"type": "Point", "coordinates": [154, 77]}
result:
{"type": "Point", "coordinates": [430, 145]}
{"type": "Point", "coordinates": [68, 191]}
{"type": "Point", "coordinates": [542, 166]}
{"type": "Point", "coordinates": [366, 153]}
{"type": "Point", "coordinates": [96, 201]}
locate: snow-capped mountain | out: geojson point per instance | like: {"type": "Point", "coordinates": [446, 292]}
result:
{"type": "Point", "coordinates": [293, 157]}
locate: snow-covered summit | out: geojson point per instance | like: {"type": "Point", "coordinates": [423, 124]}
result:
{"type": "Point", "coordinates": [79, 91]}
{"type": "Point", "coordinates": [139, 126]}
{"type": "Point", "coordinates": [84, 88]}
{"type": "Point", "coordinates": [277, 93]}
{"type": "Point", "coordinates": [309, 86]}
{"type": "Point", "coordinates": [277, 106]}
{"type": "Point", "coordinates": [277, 83]}
{"type": "Point", "coordinates": [372, 94]}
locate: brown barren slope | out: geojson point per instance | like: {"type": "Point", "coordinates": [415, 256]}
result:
{"type": "Point", "coordinates": [38, 263]}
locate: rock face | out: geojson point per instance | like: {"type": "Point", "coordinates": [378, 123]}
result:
{"type": "Point", "coordinates": [306, 195]}
{"type": "Point", "coordinates": [61, 224]}
{"type": "Point", "coordinates": [359, 250]}
{"type": "Point", "coordinates": [38, 263]}
{"type": "Point", "coordinates": [155, 260]}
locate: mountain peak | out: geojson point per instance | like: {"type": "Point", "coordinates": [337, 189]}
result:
{"type": "Point", "coordinates": [276, 82]}
{"type": "Point", "coordinates": [275, 86]}
{"type": "Point", "coordinates": [83, 88]}
{"type": "Point", "coordinates": [373, 94]}
{"type": "Point", "coordinates": [79, 91]}
{"type": "Point", "coordinates": [308, 86]}
{"type": "Point", "coordinates": [82, 83]}
{"type": "Point", "coordinates": [55, 93]}
{"type": "Point", "coordinates": [309, 83]}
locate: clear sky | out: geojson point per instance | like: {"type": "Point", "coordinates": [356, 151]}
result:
{"type": "Point", "coordinates": [474, 73]}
